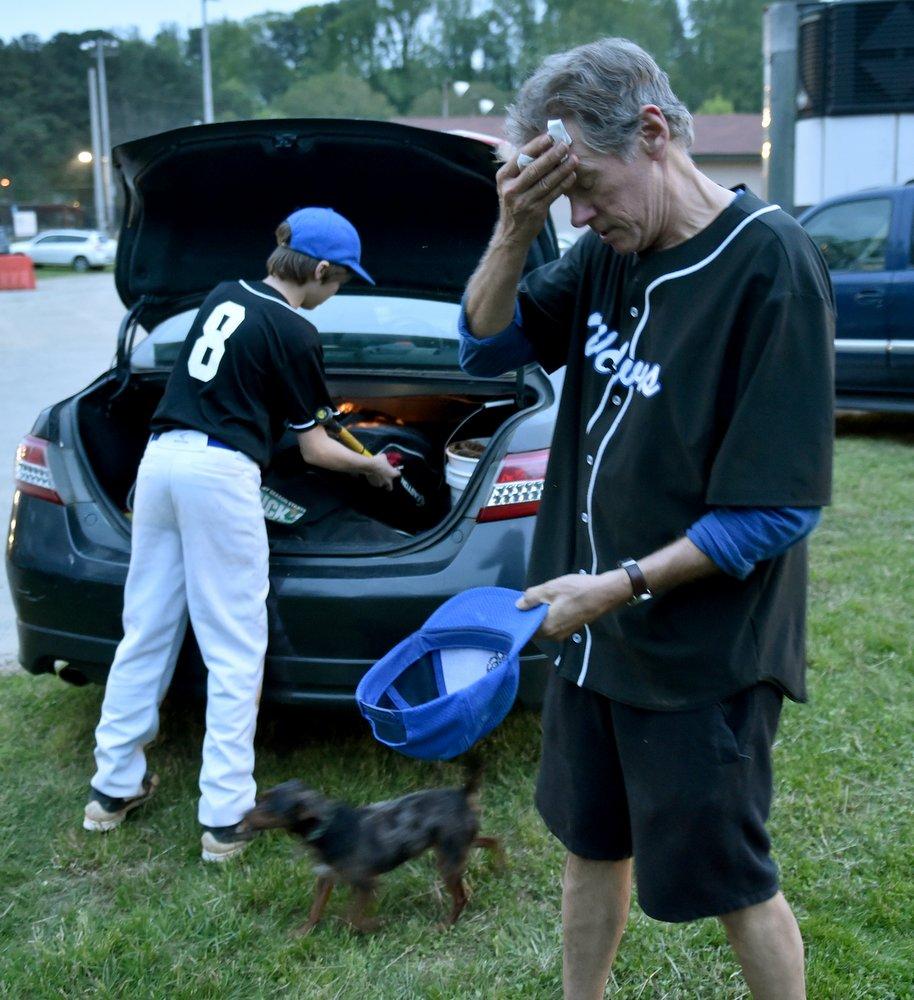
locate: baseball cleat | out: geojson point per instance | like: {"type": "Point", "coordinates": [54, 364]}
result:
{"type": "Point", "coordinates": [223, 842]}
{"type": "Point", "coordinates": [104, 813]}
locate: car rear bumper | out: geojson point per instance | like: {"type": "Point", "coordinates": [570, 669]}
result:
{"type": "Point", "coordinates": [325, 628]}
{"type": "Point", "coordinates": [288, 680]}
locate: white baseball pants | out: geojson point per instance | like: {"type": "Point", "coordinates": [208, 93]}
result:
{"type": "Point", "coordinates": [199, 547]}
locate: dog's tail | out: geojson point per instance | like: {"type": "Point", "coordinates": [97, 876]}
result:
{"type": "Point", "coordinates": [474, 766]}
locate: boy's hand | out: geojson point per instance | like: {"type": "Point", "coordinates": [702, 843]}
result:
{"type": "Point", "coordinates": [382, 473]}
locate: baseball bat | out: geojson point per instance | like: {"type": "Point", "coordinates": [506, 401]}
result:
{"type": "Point", "coordinates": [324, 416]}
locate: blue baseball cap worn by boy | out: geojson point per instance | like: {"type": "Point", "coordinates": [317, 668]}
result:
{"type": "Point", "coordinates": [452, 682]}
{"type": "Point", "coordinates": [325, 235]}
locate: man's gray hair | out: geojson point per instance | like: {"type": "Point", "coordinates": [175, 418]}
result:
{"type": "Point", "coordinates": [602, 86]}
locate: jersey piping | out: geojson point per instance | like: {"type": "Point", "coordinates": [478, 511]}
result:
{"type": "Point", "coordinates": [269, 298]}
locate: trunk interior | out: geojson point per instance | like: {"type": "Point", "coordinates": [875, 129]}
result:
{"type": "Point", "coordinates": [310, 510]}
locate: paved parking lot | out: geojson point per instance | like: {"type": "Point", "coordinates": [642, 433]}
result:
{"type": "Point", "coordinates": [53, 341]}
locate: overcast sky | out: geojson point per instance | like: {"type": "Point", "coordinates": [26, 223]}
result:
{"type": "Point", "coordinates": [47, 17]}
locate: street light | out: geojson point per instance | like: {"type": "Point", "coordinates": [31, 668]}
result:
{"type": "Point", "coordinates": [460, 87]}
{"type": "Point", "coordinates": [5, 182]}
{"type": "Point", "coordinates": [207, 68]}
{"type": "Point", "coordinates": [98, 185]}
{"type": "Point", "coordinates": [84, 157]}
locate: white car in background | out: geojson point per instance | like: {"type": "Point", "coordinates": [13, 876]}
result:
{"type": "Point", "coordinates": [80, 249]}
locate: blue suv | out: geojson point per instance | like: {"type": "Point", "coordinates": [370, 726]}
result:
{"type": "Point", "coordinates": [867, 240]}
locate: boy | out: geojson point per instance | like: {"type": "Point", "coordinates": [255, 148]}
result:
{"type": "Point", "coordinates": [250, 366]}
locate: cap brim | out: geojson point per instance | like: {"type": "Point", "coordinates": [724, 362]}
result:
{"type": "Point", "coordinates": [490, 607]}
{"type": "Point", "coordinates": [361, 272]}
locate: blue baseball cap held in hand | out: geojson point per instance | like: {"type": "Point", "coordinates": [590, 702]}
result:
{"type": "Point", "coordinates": [449, 684]}
{"type": "Point", "coordinates": [325, 235]}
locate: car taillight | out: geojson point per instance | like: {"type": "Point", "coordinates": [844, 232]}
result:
{"type": "Point", "coordinates": [518, 486]}
{"type": "Point", "coordinates": [32, 473]}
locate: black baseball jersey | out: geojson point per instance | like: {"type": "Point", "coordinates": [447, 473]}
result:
{"type": "Point", "coordinates": [698, 376]}
{"type": "Point", "coordinates": [250, 366]}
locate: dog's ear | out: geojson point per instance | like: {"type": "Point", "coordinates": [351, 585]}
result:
{"type": "Point", "coordinates": [283, 798]}
{"type": "Point", "coordinates": [307, 806]}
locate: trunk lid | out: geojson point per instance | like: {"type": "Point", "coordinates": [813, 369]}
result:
{"type": "Point", "coordinates": [201, 205]}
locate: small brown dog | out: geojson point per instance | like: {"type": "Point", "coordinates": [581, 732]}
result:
{"type": "Point", "coordinates": [356, 845]}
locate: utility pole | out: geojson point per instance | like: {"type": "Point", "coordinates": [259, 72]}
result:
{"type": "Point", "coordinates": [207, 69]}
{"type": "Point", "coordinates": [101, 219]}
{"type": "Point", "coordinates": [780, 102]}
{"type": "Point", "coordinates": [100, 44]}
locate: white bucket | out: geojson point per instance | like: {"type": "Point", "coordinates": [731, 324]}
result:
{"type": "Point", "coordinates": [462, 458]}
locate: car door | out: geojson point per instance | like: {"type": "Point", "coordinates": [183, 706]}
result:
{"type": "Point", "coordinates": [901, 304]}
{"type": "Point", "coordinates": [853, 236]}
{"type": "Point", "coordinates": [43, 249]}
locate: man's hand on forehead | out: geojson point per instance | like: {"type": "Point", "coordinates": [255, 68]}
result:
{"type": "Point", "coordinates": [549, 164]}
{"type": "Point", "coordinates": [555, 129]}
{"type": "Point", "coordinates": [526, 193]}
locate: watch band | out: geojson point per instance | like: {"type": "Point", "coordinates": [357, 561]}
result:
{"type": "Point", "coordinates": [641, 592]}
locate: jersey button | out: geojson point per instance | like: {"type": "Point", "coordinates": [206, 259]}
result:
{"type": "Point", "coordinates": [617, 400]}
{"type": "Point", "coordinates": [589, 459]}
{"type": "Point", "coordinates": [576, 637]}
{"type": "Point", "coordinates": [582, 572]}
{"type": "Point", "coordinates": [584, 517]}
{"type": "Point", "coordinates": [633, 312]}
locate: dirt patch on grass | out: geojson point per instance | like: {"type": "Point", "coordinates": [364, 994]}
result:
{"type": "Point", "coordinates": [9, 665]}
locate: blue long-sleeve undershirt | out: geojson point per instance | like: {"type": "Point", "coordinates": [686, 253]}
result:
{"type": "Point", "coordinates": [734, 538]}
{"type": "Point", "coordinates": [494, 355]}
{"type": "Point", "coordinates": [737, 538]}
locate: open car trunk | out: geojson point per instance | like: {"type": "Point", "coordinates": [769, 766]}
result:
{"type": "Point", "coordinates": [310, 510]}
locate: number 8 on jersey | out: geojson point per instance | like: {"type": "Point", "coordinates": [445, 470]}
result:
{"type": "Point", "coordinates": [207, 352]}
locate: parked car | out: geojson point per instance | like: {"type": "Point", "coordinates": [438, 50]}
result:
{"type": "Point", "coordinates": [201, 204]}
{"type": "Point", "coordinates": [867, 239]}
{"type": "Point", "coordinates": [81, 249]}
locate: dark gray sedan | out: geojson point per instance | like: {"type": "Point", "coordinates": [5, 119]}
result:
{"type": "Point", "coordinates": [351, 575]}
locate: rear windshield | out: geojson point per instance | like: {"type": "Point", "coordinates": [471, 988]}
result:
{"type": "Point", "coordinates": [359, 332]}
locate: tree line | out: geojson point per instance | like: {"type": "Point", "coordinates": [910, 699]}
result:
{"type": "Point", "coordinates": [350, 58]}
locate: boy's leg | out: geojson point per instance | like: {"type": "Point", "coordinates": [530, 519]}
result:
{"type": "Point", "coordinates": [226, 558]}
{"type": "Point", "coordinates": [155, 614]}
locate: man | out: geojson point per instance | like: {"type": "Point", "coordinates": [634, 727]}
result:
{"type": "Point", "coordinates": [250, 366]}
{"type": "Point", "coordinates": [692, 452]}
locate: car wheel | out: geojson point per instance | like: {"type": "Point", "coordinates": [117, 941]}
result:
{"type": "Point", "coordinates": [80, 265]}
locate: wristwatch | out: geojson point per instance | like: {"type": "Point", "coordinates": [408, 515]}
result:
{"type": "Point", "coordinates": [640, 590]}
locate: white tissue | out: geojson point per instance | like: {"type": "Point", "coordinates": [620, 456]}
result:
{"type": "Point", "coordinates": [556, 128]}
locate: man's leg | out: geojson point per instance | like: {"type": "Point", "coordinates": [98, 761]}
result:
{"type": "Point", "coordinates": [155, 615]}
{"type": "Point", "coordinates": [767, 943]}
{"type": "Point", "coordinates": [699, 784]}
{"type": "Point", "coordinates": [581, 796]}
{"type": "Point", "coordinates": [595, 902]}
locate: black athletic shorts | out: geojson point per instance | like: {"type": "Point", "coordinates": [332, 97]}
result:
{"type": "Point", "coordinates": [685, 793]}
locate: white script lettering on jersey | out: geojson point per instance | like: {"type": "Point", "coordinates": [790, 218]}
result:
{"type": "Point", "coordinates": [613, 360]}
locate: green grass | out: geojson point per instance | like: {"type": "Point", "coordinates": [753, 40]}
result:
{"type": "Point", "coordinates": [135, 913]}
{"type": "Point", "coordinates": [55, 271]}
